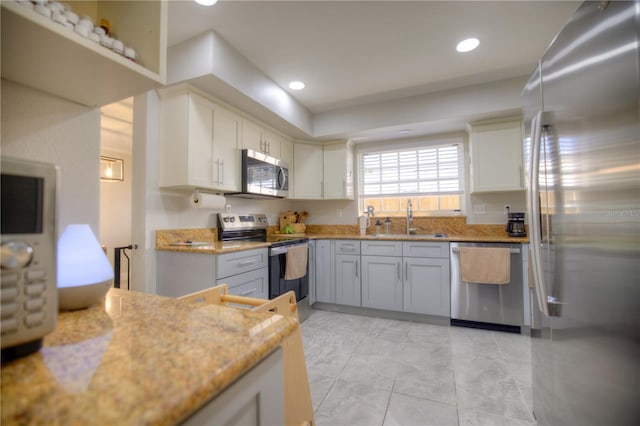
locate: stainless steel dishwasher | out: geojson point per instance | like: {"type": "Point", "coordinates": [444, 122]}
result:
{"type": "Point", "coordinates": [489, 306]}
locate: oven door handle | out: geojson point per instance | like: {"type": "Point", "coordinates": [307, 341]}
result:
{"type": "Point", "coordinates": [275, 251]}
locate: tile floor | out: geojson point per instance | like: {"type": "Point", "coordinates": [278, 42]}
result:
{"type": "Point", "coordinates": [372, 371]}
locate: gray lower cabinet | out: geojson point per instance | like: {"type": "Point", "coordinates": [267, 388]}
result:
{"type": "Point", "coordinates": [179, 273]}
{"type": "Point", "coordinates": [348, 279]}
{"type": "Point", "coordinates": [426, 286]}
{"type": "Point", "coordinates": [245, 272]}
{"type": "Point", "coordinates": [346, 271]}
{"type": "Point", "coordinates": [249, 284]}
{"type": "Point", "coordinates": [426, 278]}
{"type": "Point", "coordinates": [312, 272]}
{"type": "Point", "coordinates": [257, 398]}
{"type": "Point", "coordinates": [325, 285]}
{"type": "Point", "coordinates": [382, 282]}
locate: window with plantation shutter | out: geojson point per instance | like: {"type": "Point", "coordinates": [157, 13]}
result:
{"type": "Point", "coordinates": [431, 176]}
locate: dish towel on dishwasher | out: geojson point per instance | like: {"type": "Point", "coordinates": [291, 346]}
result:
{"type": "Point", "coordinates": [296, 262]}
{"type": "Point", "coordinates": [485, 265]}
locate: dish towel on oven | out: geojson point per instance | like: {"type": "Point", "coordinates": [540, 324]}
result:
{"type": "Point", "coordinates": [485, 265]}
{"type": "Point", "coordinates": [296, 262]}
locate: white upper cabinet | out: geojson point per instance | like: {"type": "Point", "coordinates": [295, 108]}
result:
{"type": "Point", "coordinates": [44, 55]}
{"type": "Point", "coordinates": [307, 165]}
{"type": "Point", "coordinates": [338, 171]}
{"type": "Point", "coordinates": [496, 156]}
{"type": "Point", "coordinates": [199, 144]}
{"type": "Point", "coordinates": [259, 139]}
{"type": "Point", "coordinates": [323, 172]}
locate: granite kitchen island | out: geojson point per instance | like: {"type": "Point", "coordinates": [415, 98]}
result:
{"type": "Point", "coordinates": [137, 359]}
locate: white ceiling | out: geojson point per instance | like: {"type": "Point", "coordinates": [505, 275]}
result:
{"type": "Point", "coordinates": [355, 56]}
{"type": "Point", "coordinates": [352, 53]}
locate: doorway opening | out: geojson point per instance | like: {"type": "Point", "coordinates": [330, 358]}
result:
{"type": "Point", "coordinates": [116, 173]}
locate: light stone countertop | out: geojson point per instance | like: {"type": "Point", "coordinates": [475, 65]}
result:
{"type": "Point", "coordinates": [138, 359]}
{"type": "Point", "coordinates": [214, 247]}
{"type": "Point", "coordinates": [219, 247]}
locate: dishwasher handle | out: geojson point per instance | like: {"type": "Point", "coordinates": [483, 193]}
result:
{"type": "Point", "coordinates": [513, 250]}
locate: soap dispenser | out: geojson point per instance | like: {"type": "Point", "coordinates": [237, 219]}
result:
{"type": "Point", "coordinates": [378, 227]}
{"type": "Point", "coordinates": [387, 226]}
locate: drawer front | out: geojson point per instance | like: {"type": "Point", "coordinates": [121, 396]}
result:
{"type": "Point", "coordinates": [382, 248]}
{"type": "Point", "coordinates": [250, 284]}
{"type": "Point", "coordinates": [347, 247]}
{"type": "Point", "coordinates": [425, 249]}
{"type": "Point", "coordinates": [241, 261]}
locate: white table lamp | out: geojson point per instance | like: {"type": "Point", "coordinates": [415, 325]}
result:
{"type": "Point", "coordinates": [84, 272]}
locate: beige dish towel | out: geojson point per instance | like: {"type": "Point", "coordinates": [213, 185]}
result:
{"type": "Point", "coordinates": [485, 265]}
{"type": "Point", "coordinates": [296, 262]}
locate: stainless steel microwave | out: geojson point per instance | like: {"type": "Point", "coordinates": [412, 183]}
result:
{"type": "Point", "coordinates": [263, 176]}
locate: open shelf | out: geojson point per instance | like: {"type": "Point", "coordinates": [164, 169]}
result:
{"type": "Point", "coordinates": [39, 53]}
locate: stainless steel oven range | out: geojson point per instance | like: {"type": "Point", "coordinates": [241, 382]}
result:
{"type": "Point", "coordinates": [253, 227]}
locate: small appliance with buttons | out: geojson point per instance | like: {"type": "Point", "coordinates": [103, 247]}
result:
{"type": "Point", "coordinates": [28, 255]}
{"type": "Point", "coordinates": [515, 225]}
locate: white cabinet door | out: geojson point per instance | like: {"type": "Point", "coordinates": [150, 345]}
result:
{"type": "Point", "coordinates": [308, 178]}
{"type": "Point", "coordinates": [338, 171]}
{"type": "Point", "coordinates": [251, 136]}
{"type": "Point", "coordinates": [348, 279]}
{"type": "Point", "coordinates": [199, 143]}
{"type": "Point", "coordinates": [325, 286]}
{"type": "Point", "coordinates": [286, 154]}
{"type": "Point", "coordinates": [426, 286]}
{"type": "Point", "coordinates": [382, 282]}
{"type": "Point", "coordinates": [496, 157]}
{"type": "Point", "coordinates": [226, 127]}
{"type": "Point", "coordinates": [273, 144]}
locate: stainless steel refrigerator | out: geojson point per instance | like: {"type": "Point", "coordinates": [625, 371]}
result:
{"type": "Point", "coordinates": [582, 116]}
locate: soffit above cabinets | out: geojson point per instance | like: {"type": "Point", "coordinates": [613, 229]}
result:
{"type": "Point", "coordinates": [370, 59]}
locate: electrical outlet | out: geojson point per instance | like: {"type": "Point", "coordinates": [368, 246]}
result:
{"type": "Point", "coordinates": [479, 209]}
{"type": "Point", "coordinates": [339, 212]}
{"type": "Point", "coordinates": [507, 208]}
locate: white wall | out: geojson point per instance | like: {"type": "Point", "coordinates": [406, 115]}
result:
{"type": "Point", "coordinates": [493, 204]}
{"type": "Point", "coordinates": [41, 127]}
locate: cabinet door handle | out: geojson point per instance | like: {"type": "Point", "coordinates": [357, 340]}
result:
{"type": "Point", "coordinates": [221, 172]}
{"type": "Point", "coordinates": [406, 271]}
{"type": "Point", "coordinates": [357, 267]}
{"type": "Point", "coordinates": [246, 263]}
{"type": "Point", "coordinates": [399, 278]}
{"type": "Point", "coordinates": [247, 292]}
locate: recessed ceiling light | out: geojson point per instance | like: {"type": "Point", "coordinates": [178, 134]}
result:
{"type": "Point", "coordinates": [467, 45]}
{"type": "Point", "coordinates": [296, 85]}
{"type": "Point", "coordinates": [405, 131]}
{"type": "Point", "coordinates": [206, 2]}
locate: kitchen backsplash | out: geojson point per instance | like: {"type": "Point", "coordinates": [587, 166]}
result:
{"type": "Point", "coordinates": [425, 225]}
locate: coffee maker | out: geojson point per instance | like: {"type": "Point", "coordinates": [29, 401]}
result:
{"type": "Point", "coordinates": [515, 225]}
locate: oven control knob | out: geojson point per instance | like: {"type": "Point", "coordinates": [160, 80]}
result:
{"type": "Point", "coordinates": [232, 219]}
{"type": "Point", "coordinates": [226, 219]}
{"type": "Point", "coordinates": [16, 254]}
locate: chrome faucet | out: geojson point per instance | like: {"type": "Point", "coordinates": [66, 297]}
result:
{"type": "Point", "coordinates": [409, 215]}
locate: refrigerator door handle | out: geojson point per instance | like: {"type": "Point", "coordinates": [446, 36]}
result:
{"type": "Point", "coordinates": [534, 213]}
